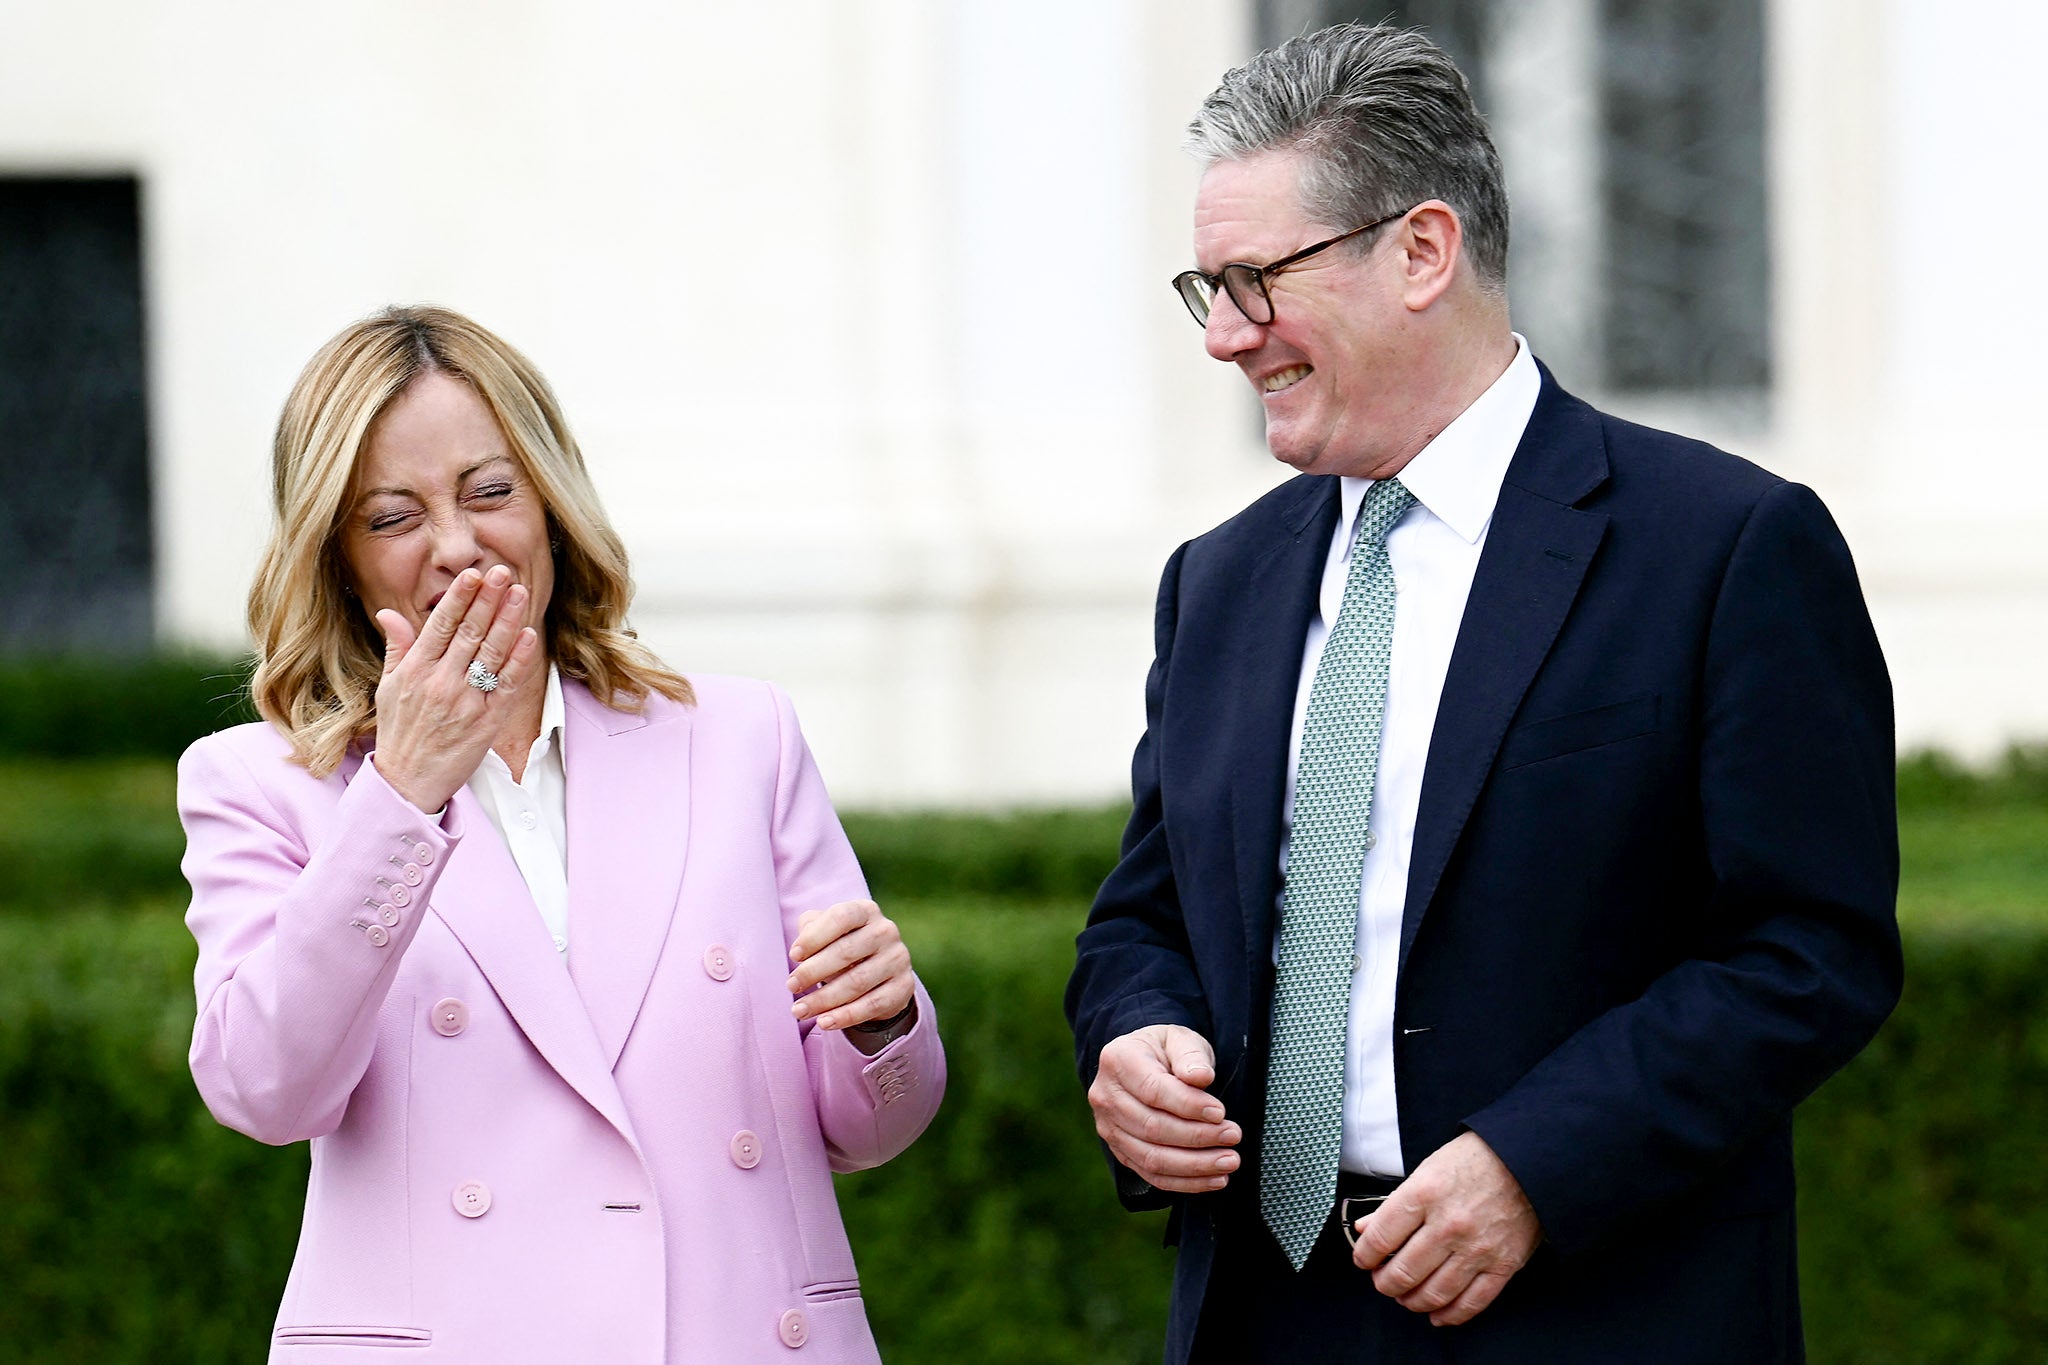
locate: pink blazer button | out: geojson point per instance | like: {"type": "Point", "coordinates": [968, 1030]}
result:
{"type": "Point", "coordinates": [401, 895]}
{"type": "Point", "coordinates": [473, 1199]}
{"type": "Point", "coordinates": [746, 1149]}
{"type": "Point", "coordinates": [388, 913]}
{"type": "Point", "coordinates": [412, 874]}
{"type": "Point", "coordinates": [423, 854]}
{"type": "Point", "coordinates": [718, 962]}
{"type": "Point", "coordinates": [377, 936]}
{"type": "Point", "coordinates": [451, 1017]}
{"type": "Point", "coordinates": [793, 1329]}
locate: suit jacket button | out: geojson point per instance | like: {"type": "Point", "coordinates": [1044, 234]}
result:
{"type": "Point", "coordinates": [423, 854]}
{"type": "Point", "coordinates": [412, 874]}
{"type": "Point", "coordinates": [401, 895]}
{"type": "Point", "coordinates": [451, 1017]}
{"type": "Point", "coordinates": [377, 935]}
{"type": "Point", "coordinates": [746, 1149]}
{"type": "Point", "coordinates": [473, 1199]}
{"type": "Point", "coordinates": [793, 1329]}
{"type": "Point", "coordinates": [718, 962]}
{"type": "Point", "coordinates": [388, 913]}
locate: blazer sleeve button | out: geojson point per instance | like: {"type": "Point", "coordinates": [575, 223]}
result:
{"type": "Point", "coordinates": [423, 854]}
{"type": "Point", "coordinates": [451, 1017]}
{"type": "Point", "coordinates": [794, 1329]}
{"type": "Point", "coordinates": [472, 1199]}
{"type": "Point", "coordinates": [377, 935]}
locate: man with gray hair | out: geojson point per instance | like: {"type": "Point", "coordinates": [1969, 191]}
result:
{"type": "Point", "coordinates": [1513, 841]}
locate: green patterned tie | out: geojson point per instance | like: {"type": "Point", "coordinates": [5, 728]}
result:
{"type": "Point", "coordinates": [1340, 756]}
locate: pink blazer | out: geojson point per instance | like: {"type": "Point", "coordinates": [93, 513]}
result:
{"type": "Point", "coordinates": [627, 1160]}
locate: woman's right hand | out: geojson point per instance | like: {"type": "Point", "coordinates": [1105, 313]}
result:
{"type": "Point", "coordinates": [433, 726]}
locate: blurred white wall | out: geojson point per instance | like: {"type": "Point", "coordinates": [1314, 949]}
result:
{"type": "Point", "coordinates": [860, 310]}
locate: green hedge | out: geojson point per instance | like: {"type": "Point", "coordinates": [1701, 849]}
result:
{"type": "Point", "coordinates": [136, 1230]}
{"type": "Point", "coordinates": [91, 707]}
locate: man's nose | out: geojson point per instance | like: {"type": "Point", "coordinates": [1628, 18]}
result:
{"type": "Point", "coordinates": [1229, 333]}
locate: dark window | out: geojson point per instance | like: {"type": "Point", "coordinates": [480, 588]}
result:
{"type": "Point", "coordinates": [75, 550]}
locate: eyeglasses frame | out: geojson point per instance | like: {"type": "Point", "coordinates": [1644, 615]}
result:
{"type": "Point", "coordinates": [1219, 283]}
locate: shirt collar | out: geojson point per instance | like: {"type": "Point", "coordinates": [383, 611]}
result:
{"type": "Point", "coordinates": [1458, 475]}
{"type": "Point", "coordinates": [551, 709]}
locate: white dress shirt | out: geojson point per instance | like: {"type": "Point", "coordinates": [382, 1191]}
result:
{"type": "Point", "coordinates": [1434, 549]}
{"type": "Point", "coordinates": [532, 814]}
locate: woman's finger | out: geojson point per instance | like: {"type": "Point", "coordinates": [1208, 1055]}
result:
{"type": "Point", "coordinates": [496, 646]}
{"type": "Point", "coordinates": [817, 928]}
{"type": "Point", "coordinates": [841, 953]}
{"type": "Point", "coordinates": [885, 975]}
{"type": "Point", "coordinates": [884, 1002]}
{"type": "Point", "coordinates": [399, 637]}
{"type": "Point", "coordinates": [447, 614]}
{"type": "Point", "coordinates": [468, 640]}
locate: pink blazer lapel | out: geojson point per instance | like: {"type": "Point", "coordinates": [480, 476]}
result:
{"type": "Point", "coordinates": [629, 823]}
{"type": "Point", "coordinates": [483, 900]}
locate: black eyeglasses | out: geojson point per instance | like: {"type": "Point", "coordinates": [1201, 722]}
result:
{"type": "Point", "coordinates": [1246, 283]}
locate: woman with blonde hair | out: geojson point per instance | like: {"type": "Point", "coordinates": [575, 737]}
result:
{"type": "Point", "coordinates": [500, 912]}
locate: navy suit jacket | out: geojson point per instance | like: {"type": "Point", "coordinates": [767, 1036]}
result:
{"type": "Point", "coordinates": [1651, 901]}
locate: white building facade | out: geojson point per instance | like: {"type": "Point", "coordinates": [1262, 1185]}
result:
{"type": "Point", "coordinates": [860, 310]}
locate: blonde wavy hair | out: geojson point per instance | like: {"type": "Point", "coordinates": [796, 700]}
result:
{"type": "Point", "coordinates": [319, 656]}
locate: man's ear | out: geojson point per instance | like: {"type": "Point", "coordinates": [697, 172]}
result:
{"type": "Point", "coordinates": [1432, 244]}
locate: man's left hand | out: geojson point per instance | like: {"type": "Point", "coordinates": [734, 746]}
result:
{"type": "Point", "coordinates": [1449, 1238]}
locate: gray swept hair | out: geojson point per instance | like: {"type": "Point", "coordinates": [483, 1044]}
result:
{"type": "Point", "coordinates": [1383, 118]}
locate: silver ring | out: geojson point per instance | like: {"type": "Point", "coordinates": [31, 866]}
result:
{"type": "Point", "coordinates": [481, 678]}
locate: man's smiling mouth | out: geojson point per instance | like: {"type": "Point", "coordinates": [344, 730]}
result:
{"type": "Point", "coordinates": [1281, 379]}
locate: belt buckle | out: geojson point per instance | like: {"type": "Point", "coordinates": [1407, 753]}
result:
{"type": "Point", "coordinates": [1353, 1207]}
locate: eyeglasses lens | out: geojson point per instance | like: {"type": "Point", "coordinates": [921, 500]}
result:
{"type": "Point", "coordinates": [1248, 292]}
{"type": "Point", "coordinates": [1196, 293]}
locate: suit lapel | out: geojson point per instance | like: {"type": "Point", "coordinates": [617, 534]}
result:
{"type": "Point", "coordinates": [1278, 597]}
{"type": "Point", "coordinates": [483, 900]}
{"type": "Point", "coordinates": [627, 840]}
{"type": "Point", "coordinates": [1537, 551]}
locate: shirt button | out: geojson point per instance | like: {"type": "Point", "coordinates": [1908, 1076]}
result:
{"type": "Point", "coordinates": [561, 944]}
{"type": "Point", "coordinates": [718, 962]}
{"type": "Point", "coordinates": [528, 820]}
{"type": "Point", "coordinates": [451, 1017]}
{"type": "Point", "coordinates": [377, 936]}
{"type": "Point", "coordinates": [746, 1150]}
{"type": "Point", "coordinates": [793, 1329]}
{"type": "Point", "coordinates": [1371, 840]}
{"type": "Point", "coordinates": [473, 1199]}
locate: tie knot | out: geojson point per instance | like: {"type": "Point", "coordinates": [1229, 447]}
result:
{"type": "Point", "coordinates": [1384, 503]}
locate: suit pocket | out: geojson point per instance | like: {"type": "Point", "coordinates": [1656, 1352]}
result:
{"type": "Point", "coordinates": [1555, 736]}
{"type": "Point", "coordinates": [352, 1336]}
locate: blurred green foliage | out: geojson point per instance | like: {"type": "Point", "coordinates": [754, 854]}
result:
{"type": "Point", "coordinates": [135, 1229]}
{"type": "Point", "coordinates": [81, 706]}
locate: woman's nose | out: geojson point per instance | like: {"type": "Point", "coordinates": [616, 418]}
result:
{"type": "Point", "coordinates": [455, 544]}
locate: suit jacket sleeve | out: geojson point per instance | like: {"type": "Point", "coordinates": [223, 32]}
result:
{"type": "Point", "coordinates": [1796, 775]}
{"type": "Point", "coordinates": [289, 978]}
{"type": "Point", "coordinates": [869, 1108]}
{"type": "Point", "coordinates": [1134, 965]}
